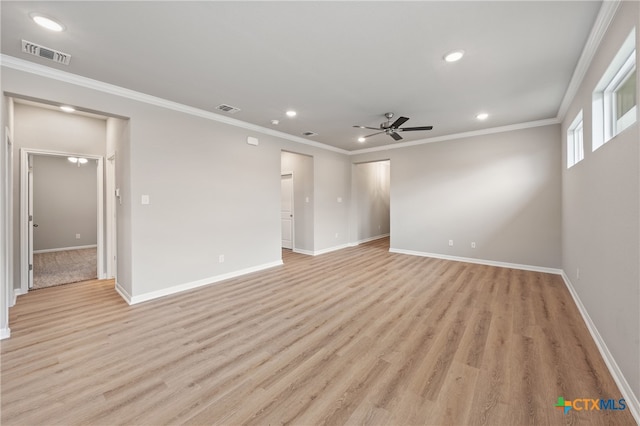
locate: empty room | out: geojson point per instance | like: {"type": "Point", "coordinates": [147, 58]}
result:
{"type": "Point", "coordinates": [311, 212]}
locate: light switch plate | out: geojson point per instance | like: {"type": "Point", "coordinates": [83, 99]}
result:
{"type": "Point", "coordinates": [145, 199]}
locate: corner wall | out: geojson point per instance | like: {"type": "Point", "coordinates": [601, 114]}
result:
{"type": "Point", "coordinates": [601, 216]}
{"type": "Point", "coordinates": [500, 191]}
{"type": "Point", "coordinates": [210, 192]}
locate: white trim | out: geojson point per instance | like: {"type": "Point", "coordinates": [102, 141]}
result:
{"type": "Point", "coordinates": [44, 71]}
{"type": "Point", "coordinates": [624, 387]}
{"type": "Point", "coordinates": [123, 293]}
{"type": "Point", "coordinates": [330, 249]}
{"type": "Point", "coordinates": [132, 300]}
{"type": "Point", "coordinates": [65, 248]}
{"type": "Point", "coordinates": [479, 261]}
{"type": "Point", "coordinates": [366, 240]}
{"type": "Point", "coordinates": [16, 292]}
{"type": "Point", "coordinates": [302, 251]}
{"type": "Point", "coordinates": [473, 133]}
{"type": "Point", "coordinates": [599, 29]}
{"type": "Point", "coordinates": [5, 333]}
{"type": "Point", "coordinates": [7, 226]}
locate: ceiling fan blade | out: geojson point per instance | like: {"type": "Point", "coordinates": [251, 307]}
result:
{"type": "Point", "coordinates": [399, 122]}
{"type": "Point", "coordinates": [411, 129]}
{"type": "Point", "coordinates": [395, 136]}
{"type": "Point", "coordinates": [372, 134]}
{"type": "Point", "coordinates": [365, 127]}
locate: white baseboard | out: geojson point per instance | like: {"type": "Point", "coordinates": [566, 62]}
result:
{"type": "Point", "coordinates": [123, 293]}
{"type": "Point", "coordinates": [330, 249]}
{"type": "Point", "coordinates": [630, 398]}
{"type": "Point", "coordinates": [301, 251]}
{"type": "Point", "coordinates": [5, 333]}
{"type": "Point", "coordinates": [132, 300]}
{"type": "Point", "coordinates": [64, 249]}
{"type": "Point", "coordinates": [366, 240]}
{"type": "Point", "coordinates": [16, 292]}
{"type": "Point", "coordinates": [480, 261]}
{"type": "Point", "coordinates": [340, 247]}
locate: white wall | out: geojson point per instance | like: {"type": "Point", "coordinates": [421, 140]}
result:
{"type": "Point", "coordinates": [371, 185]}
{"type": "Point", "coordinates": [302, 168]}
{"type": "Point", "coordinates": [64, 203]}
{"type": "Point", "coordinates": [210, 192]}
{"type": "Point", "coordinates": [601, 215]}
{"type": "Point", "coordinates": [501, 191]}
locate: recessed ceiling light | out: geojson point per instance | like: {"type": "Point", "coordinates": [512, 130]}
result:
{"type": "Point", "coordinates": [361, 139]}
{"type": "Point", "coordinates": [275, 122]}
{"type": "Point", "coordinates": [67, 108]}
{"type": "Point", "coordinates": [291, 113]}
{"type": "Point", "coordinates": [46, 22]}
{"type": "Point", "coordinates": [73, 159]}
{"type": "Point", "coordinates": [83, 160]}
{"type": "Point", "coordinates": [482, 116]}
{"type": "Point", "coordinates": [454, 56]}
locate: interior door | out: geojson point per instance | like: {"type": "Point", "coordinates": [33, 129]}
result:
{"type": "Point", "coordinates": [286, 211]}
{"type": "Point", "coordinates": [31, 224]}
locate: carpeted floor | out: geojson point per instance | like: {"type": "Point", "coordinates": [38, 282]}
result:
{"type": "Point", "coordinates": [64, 267]}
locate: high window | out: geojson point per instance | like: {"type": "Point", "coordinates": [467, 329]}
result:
{"type": "Point", "coordinates": [615, 103]}
{"type": "Point", "coordinates": [575, 141]}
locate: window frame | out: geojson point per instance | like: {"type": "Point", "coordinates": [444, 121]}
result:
{"type": "Point", "coordinates": [605, 125]}
{"type": "Point", "coordinates": [575, 141]}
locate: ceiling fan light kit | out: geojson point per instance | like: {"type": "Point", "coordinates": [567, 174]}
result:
{"type": "Point", "coordinates": [392, 129]}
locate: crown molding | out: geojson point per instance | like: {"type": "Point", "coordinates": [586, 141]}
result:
{"type": "Point", "coordinates": [600, 26]}
{"type": "Point", "coordinates": [490, 131]}
{"type": "Point", "coordinates": [67, 77]}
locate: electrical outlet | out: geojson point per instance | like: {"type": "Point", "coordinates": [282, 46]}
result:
{"type": "Point", "coordinates": [473, 244]}
{"type": "Point", "coordinates": [337, 235]}
{"type": "Point", "coordinates": [451, 243]}
{"type": "Point", "coordinates": [221, 258]}
{"type": "Point", "coordinates": [77, 236]}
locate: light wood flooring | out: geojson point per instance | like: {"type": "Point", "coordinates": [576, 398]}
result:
{"type": "Point", "coordinates": [359, 335]}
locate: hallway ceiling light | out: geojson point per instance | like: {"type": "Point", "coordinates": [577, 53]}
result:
{"type": "Point", "coordinates": [291, 113]}
{"type": "Point", "coordinates": [361, 139]}
{"type": "Point", "coordinates": [67, 108]}
{"type": "Point", "coordinates": [46, 22]}
{"type": "Point", "coordinates": [482, 116]}
{"type": "Point", "coordinates": [76, 160]}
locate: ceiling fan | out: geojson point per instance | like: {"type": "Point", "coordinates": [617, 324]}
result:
{"type": "Point", "coordinates": [392, 129]}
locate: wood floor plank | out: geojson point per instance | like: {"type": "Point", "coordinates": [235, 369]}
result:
{"type": "Point", "coordinates": [357, 336]}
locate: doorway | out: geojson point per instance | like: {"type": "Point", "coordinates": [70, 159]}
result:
{"type": "Point", "coordinates": [286, 210]}
{"type": "Point", "coordinates": [61, 218]}
{"type": "Point", "coordinates": [297, 170]}
{"type": "Point", "coordinates": [372, 189]}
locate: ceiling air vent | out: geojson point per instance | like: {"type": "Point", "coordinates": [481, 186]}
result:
{"type": "Point", "coordinates": [45, 52]}
{"type": "Point", "coordinates": [227, 108]}
{"type": "Point", "coordinates": [309, 133]}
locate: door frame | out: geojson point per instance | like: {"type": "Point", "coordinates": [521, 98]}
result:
{"type": "Point", "coordinates": [26, 249]}
{"type": "Point", "coordinates": [293, 215]}
{"type": "Point", "coordinates": [6, 282]}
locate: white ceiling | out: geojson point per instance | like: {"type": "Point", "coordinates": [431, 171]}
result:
{"type": "Point", "coordinates": [336, 63]}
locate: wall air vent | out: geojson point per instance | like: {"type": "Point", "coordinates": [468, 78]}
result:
{"type": "Point", "coordinates": [309, 134]}
{"type": "Point", "coordinates": [45, 52]}
{"type": "Point", "coordinates": [227, 108]}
